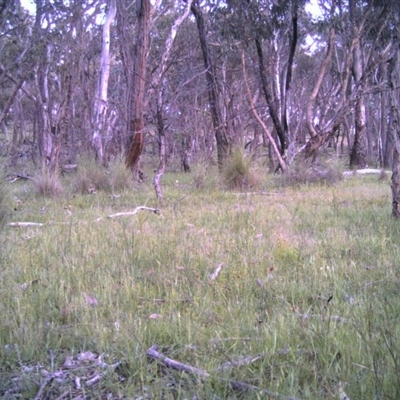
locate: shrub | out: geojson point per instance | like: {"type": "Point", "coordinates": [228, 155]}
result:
{"type": "Point", "coordinates": [301, 173]}
{"type": "Point", "coordinates": [238, 173]}
{"type": "Point", "coordinates": [47, 184]}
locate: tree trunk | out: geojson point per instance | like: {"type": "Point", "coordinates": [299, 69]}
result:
{"type": "Point", "coordinates": [162, 149]}
{"type": "Point", "coordinates": [221, 134]}
{"type": "Point", "coordinates": [101, 101]}
{"type": "Point", "coordinates": [136, 125]}
{"type": "Point", "coordinates": [358, 154]}
{"type": "Point", "coordinates": [156, 83]}
{"type": "Point", "coordinates": [286, 92]}
{"type": "Point", "coordinates": [394, 120]}
{"type": "Point", "coordinates": [269, 99]}
{"type": "Point", "coordinates": [45, 135]}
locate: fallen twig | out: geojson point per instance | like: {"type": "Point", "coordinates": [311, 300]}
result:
{"type": "Point", "coordinates": [239, 362]}
{"type": "Point", "coordinates": [257, 193]}
{"type": "Point", "coordinates": [135, 211]}
{"type": "Point", "coordinates": [153, 353]}
{"type": "Point", "coordinates": [217, 340]}
{"type": "Point", "coordinates": [336, 318]}
{"type": "Point", "coordinates": [42, 387]}
{"type": "Point", "coordinates": [215, 274]}
{"type": "Point", "coordinates": [24, 224]}
{"type": "Point", "coordinates": [17, 177]}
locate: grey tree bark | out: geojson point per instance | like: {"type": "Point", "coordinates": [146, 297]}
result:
{"type": "Point", "coordinates": [394, 118]}
{"type": "Point", "coordinates": [358, 153]}
{"type": "Point", "coordinates": [221, 134]}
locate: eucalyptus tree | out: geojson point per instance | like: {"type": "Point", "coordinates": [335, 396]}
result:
{"type": "Point", "coordinates": [136, 123]}
{"type": "Point", "coordinates": [269, 34]}
{"type": "Point", "coordinates": [54, 66]}
{"type": "Point", "coordinates": [220, 128]}
{"type": "Point", "coordinates": [358, 152]}
{"type": "Point", "coordinates": [101, 116]}
{"type": "Point", "coordinates": [159, 79]}
{"type": "Point", "coordinates": [15, 66]}
{"type": "Point", "coordinates": [334, 97]}
{"type": "Point", "coordinates": [394, 103]}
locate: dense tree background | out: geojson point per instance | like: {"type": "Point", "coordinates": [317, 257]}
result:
{"type": "Point", "coordinates": [318, 83]}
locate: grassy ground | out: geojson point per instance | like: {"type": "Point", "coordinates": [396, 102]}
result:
{"type": "Point", "coordinates": [307, 298]}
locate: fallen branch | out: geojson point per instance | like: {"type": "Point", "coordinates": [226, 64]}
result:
{"type": "Point", "coordinates": [135, 211]}
{"type": "Point", "coordinates": [153, 353]}
{"type": "Point", "coordinates": [24, 224]}
{"type": "Point", "coordinates": [17, 177]}
{"type": "Point", "coordinates": [365, 171]}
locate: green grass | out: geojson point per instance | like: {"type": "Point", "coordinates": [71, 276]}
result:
{"type": "Point", "coordinates": [285, 254]}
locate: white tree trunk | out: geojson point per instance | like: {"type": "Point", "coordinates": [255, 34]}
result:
{"type": "Point", "coordinates": [101, 101]}
{"type": "Point", "coordinates": [157, 79]}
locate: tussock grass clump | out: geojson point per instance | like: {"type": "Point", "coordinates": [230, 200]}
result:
{"type": "Point", "coordinates": [91, 177]}
{"type": "Point", "coordinates": [47, 184]}
{"type": "Point", "coordinates": [3, 201]}
{"type": "Point", "coordinates": [205, 175]}
{"type": "Point", "coordinates": [301, 173]}
{"type": "Point", "coordinates": [238, 172]}
{"type": "Point", "coordinates": [121, 178]}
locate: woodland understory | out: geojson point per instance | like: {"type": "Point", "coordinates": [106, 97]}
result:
{"type": "Point", "coordinates": [189, 80]}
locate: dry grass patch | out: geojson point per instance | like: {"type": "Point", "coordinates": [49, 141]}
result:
{"type": "Point", "coordinates": [47, 184]}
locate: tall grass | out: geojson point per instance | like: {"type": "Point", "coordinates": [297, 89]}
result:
{"type": "Point", "coordinates": [308, 288]}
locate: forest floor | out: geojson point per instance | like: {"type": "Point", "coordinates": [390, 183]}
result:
{"type": "Point", "coordinates": [282, 292]}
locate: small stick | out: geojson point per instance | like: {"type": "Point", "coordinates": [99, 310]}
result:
{"type": "Point", "coordinates": [135, 211]}
{"type": "Point", "coordinates": [239, 363]}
